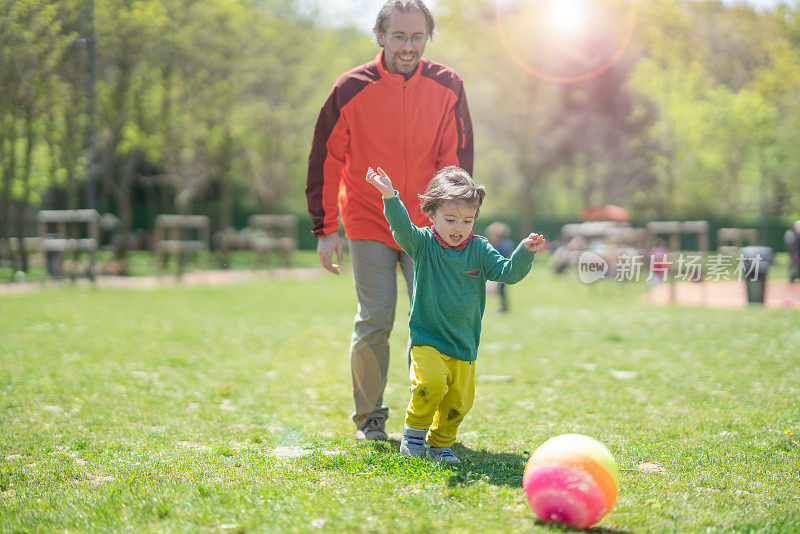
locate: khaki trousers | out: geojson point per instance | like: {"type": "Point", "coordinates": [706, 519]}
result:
{"type": "Point", "coordinates": [375, 268]}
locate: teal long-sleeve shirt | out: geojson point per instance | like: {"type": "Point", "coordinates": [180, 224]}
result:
{"type": "Point", "coordinates": [449, 295]}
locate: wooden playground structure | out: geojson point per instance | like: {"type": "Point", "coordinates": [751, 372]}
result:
{"type": "Point", "coordinates": [67, 242]}
{"type": "Point", "coordinates": [683, 246]}
{"type": "Point", "coordinates": [67, 235]}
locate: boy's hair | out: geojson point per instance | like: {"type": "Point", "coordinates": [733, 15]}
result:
{"type": "Point", "coordinates": [451, 183]}
{"type": "Point", "coordinates": [403, 6]}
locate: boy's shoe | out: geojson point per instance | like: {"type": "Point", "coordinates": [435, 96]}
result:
{"type": "Point", "coordinates": [442, 454]}
{"type": "Point", "coordinates": [372, 429]}
{"type": "Point", "coordinates": [413, 443]}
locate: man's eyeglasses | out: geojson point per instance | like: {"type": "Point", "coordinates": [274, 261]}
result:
{"type": "Point", "coordinates": [401, 38]}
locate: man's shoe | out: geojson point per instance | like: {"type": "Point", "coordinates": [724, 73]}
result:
{"type": "Point", "coordinates": [413, 443]}
{"type": "Point", "coordinates": [372, 429]}
{"type": "Point", "coordinates": [442, 454]}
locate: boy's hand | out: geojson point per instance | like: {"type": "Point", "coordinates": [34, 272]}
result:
{"type": "Point", "coordinates": [381, 182]}
{"type": "Point", "coordinates": [533, 242]}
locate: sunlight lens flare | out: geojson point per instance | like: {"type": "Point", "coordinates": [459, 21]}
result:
{"type": "Point", "coordinates": [567, 17]}
{"type": "Point", "coordinates": [565, 41]}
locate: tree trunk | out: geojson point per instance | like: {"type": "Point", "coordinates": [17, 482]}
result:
{"type": "Point", "coordinates": [226, 202]}
{"type": "Point", "coordinates": [124, 205]}
{"type": "Point", "coordinates": [9, 167]}
{"type": "Point", "coordinates": [70, 156]}
{"type": "Point", "coordinates": [111, 168]}
{"type": "Point", "coordinates": [225, 178]}
{"type": "Point", "coordinates": [22, 210]}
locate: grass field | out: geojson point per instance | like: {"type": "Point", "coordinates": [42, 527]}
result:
{"type": "Point", "coordinates": [226, 409]}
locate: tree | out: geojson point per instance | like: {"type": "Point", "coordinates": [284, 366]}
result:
{"type": "Point", "coordinates": [31, 48]}
{"type": "Point", "coordinates": [129, 34]}
{"type": "Point", "coordinates": [555, 114]}
{"type": "Point", "coordinates": [779, 82]}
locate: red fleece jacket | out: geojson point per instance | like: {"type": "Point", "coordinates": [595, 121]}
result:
{"type": "Point", "coordinates": [410, 128]}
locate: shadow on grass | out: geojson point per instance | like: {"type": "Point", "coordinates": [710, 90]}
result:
{"type": "Point", "coordinates": [499, 469]}
{"type": "Point", "coordinates": [558, 527]}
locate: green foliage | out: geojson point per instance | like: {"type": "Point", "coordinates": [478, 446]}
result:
{"type": "Point", "coordinates": [32, 46]}
{"type": "Point", "coordinates": [210, 106]}
{"type": "Point", "coordinates": [695, 129]}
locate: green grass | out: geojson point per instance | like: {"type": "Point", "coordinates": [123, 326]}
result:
{"type": "Point", "coordinates": [163, 410]}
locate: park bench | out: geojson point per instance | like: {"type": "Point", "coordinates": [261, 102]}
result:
{"type": "Point", "coordinates": [10, 252]}
{"type": "Point", "coordinates": [633, 238]}
{"type": "Point", "coordinates": [268, 234]}
{"type": "Point", "coordinates": [180, 236]}
{"type": "Point", "coordinates": [609, 237]}
{"type": "Point", "coordinates": [731, 240]}
{"type": "Point", "coordinates": [62, 232]}
{"type": "Point", "coordinates": [592, 229]}
{"type": "Point", "coordinates": [227, 240]}
{"type": "Point", "coordinates": [674, 230]}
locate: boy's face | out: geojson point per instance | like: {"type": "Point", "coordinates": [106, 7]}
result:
{"type": "Point", "coordinates": [454, 220]}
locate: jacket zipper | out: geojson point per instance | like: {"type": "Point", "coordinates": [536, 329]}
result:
{"type": "Point", "coordinates": [405, 144]}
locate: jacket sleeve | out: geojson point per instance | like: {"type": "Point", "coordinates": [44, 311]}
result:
{"type": "Point", "coordinates": [507, 270]}
{"type": "Point", "coordinates": [456, 147]}
{"type": "Point", "coordinates": [405, 233]}
{"type": "Point", "coordinates": [326, 165]}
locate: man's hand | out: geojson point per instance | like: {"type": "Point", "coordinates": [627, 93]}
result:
{"type": "Point", "coordinates": [533, 242]}
{"type": "Point", "coordinates": [381, 182]}
{"type": "Point", "coordinates": [326, 246]}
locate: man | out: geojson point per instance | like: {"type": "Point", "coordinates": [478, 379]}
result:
{"type": "Point", "coordinates": [408, 115]}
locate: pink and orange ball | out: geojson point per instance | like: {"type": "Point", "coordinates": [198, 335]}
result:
{"type": "Point", "coordinates": [571, 479]}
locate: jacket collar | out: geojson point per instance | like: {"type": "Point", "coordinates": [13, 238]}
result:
{"type": "Point", "coordinates": [397, 80]}
{"type": "Point", "coordinates": [461, 246]}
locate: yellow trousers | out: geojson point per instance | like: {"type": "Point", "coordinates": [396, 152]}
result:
{"type": "Point", "coordinates": [442, 391]}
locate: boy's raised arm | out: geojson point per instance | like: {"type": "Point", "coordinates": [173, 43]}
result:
{"type": "Point", "coordinates": [403, 230]}
{"type": "Point", "coordinates": [515, 268]}
{"type": "Point", "coordinates": [533, 242]}
{"type": "Point", "coordinates": [381, 181]}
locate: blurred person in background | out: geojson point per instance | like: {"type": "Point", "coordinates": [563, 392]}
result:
{"type": "Point", "coordinates": [499, 236]}
{"type": "Point", "coordinates": [792, 239]}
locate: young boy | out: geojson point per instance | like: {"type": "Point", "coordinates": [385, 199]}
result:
{"type": "Point", "coordinates": [451, 266]}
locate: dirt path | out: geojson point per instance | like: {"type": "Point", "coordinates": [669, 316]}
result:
{"type": "Point", "coordinates": [725, 294]}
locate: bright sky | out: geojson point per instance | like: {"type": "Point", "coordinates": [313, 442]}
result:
{"type": "Point", "coordinates": [361, 13]}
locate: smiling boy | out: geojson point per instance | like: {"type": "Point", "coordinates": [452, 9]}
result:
{"type": "Point", "coordinates": [451, 267]}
